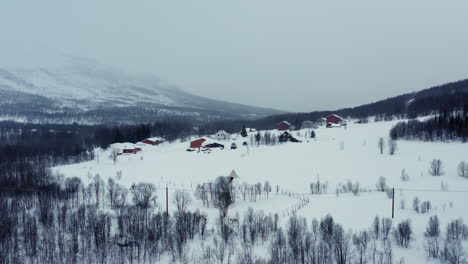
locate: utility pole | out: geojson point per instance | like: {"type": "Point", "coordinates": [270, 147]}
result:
{"type": "Point", "coordinates": [393, 203]}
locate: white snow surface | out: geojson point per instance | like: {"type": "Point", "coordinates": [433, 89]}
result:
{"type": "Point", "coordinates": [335, 156]}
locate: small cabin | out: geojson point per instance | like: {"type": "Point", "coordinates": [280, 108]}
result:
{"type": "Point", "coordinates": [222, 135]}
{"type": "Point", "coordinates": [287, 137]}
{"type": "Point", "coordinates": [153, 142]}
{"type": "Point", "coordinates": [214, 145]}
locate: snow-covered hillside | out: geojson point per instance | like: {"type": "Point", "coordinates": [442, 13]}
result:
{"type": "Point", "coordinates": [81, 85]}
{"type": "Point", "coordinates": [336, 156]}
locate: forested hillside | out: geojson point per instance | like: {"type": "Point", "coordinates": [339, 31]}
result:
{"type": "Point", "coordinates": [444, 98]}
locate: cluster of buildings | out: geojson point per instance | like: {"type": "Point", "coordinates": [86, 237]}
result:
{"type": "Point", "coordinates": [285, 127]}
{"type": "Point", "coordinates": [149, 141]}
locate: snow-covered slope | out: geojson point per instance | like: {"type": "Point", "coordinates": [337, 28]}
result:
{"type": "Point", "coordinates": [336, 156]}
{"type": "Point", "coordinates": [81, 85]}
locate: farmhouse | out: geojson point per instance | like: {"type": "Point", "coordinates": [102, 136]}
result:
{"type": "Point", "coordinates": [285, 125]}
{"type": "Point", "coordinates": [153, 141]}
{"type": "Point", "coordinates": [287, 137]}
{"type": "Point", "coordinates": [197, 143]}
{"type": "Point", "coordinates": [335, 120]}
{"type": "Point", "coordinates": [221, 135]}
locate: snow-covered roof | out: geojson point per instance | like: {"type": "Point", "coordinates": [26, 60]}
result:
{"type": "Point", "coordinates": [222, 132]}
{"type": "Point", "coordinates": [233, 175]}
{"type": "Point", "coordinates": [338, 117]}
{"type": "Point", "coordinates": [286, 122]}
{"type": "Point", "coordinates": [156, 139]}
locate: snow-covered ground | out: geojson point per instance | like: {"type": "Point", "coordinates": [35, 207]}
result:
{"type": "Point", "coordinates": [336, 156]}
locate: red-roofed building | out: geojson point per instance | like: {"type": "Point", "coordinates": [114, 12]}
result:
{"type": "Point", "coordinates": [285, 125]}
{"type": "Point", "coordinates": [333, 120]}
{"type": "Point", "coordinates": [197, 143]}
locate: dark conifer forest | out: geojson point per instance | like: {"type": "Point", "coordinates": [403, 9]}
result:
{"type": "Point", "coordinates": [444, 127]}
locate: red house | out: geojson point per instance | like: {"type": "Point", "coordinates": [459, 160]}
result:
{"type": "Point", "coordinates": [131, 151]}
{"type": "Point", "coordinates": [335, 120]}
{"type": "Point", "coordinates": [285, 125]}
{"type": "Point", "coordinates": [197, 143]}
{"type": "Point", "coordinates": [152, 142]}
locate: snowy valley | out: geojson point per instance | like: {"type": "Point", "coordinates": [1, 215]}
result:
{"type": "Point", "coordinates": [346, 160]}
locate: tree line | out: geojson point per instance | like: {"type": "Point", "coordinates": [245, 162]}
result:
{"type": "Point", "coordinates": [28, 150]}
{"type": "Point", "coordinates": [444, 127]}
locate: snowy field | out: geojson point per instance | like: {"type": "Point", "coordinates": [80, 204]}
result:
{"type": "Point", "coordinates": [336, 156]}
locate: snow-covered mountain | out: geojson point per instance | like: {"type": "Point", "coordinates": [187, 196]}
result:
{"type": "Point", "coordinates": [84, 90]}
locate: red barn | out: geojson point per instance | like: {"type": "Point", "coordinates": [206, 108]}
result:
{"type": "Point", "coordinates": [334, 120]}
{"type": "Point", "coordinates": [131, 151]}
{"type": "Point", "coordinates": [285, 125]}
{"type": "Point", "coordinates": [197, 143]}
{"type": "Point", "coordinates": [152, 142]}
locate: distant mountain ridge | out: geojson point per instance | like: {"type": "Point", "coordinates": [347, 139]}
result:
{"type": "Point", "coordinates": [85, 91]}
{"type": "Point", "coordinates": [438, 99]}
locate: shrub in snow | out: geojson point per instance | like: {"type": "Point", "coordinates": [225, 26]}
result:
{"type": "Point", "coordinates": [433, 227]}
{"type": "Point", "coordinates": [381, 145]}
{"type": "Point", "coordinates": [318, 187]}
{"type": "Point", "coordinates": [392, 146]}
{"type": "Point", "coordinates": [403, 233]}
{"type": "Point", "coordinates": [444, 186]}
{"type": "Point", "coordinates": [462, 169]}
{"type": "Point", "coordinates": [453, 252]}
{"type": "Point", "coordinates": [425, 207]}
{"type": "Point", "coordinates": [381, 184]}
{"type": "Point", "coordinates": [404, 176]}
{"type": "Point", "coordinates": [118, 175]}
{"type": "Point", "coordinates": [416, 204]}
{"type": "Point", "coordinates": [389, 193]}
{"type": "Point", "coordinates": [457, 230]}
{"type": "Point", "coordinates": [436, 168]}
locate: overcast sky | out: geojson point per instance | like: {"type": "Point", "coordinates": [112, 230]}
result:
{"type": "Point", "coordinates": [292, 55]}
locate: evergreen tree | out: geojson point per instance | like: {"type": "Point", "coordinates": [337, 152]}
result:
{"type": "Point", "coordinates": [312, 134]}
{"type": "Point", "coordinates": [244, 131]}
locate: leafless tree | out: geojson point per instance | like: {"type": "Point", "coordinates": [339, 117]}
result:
{"type": "Point", "coordinates": [462, 169]}
{"type": "Point", "coordinates": [223, 196]}
{"type": "Point", "coordinates": [381, 184]}
{"type": "Point", "coordinates": [381, 145]}
{"type": "Point", "coordinates": [436, 168]}
{"type": "Point", "coordinates": [114, 153]}
{"type": "Point", "coordinates": [267, 188]}
{"type": "Point", "coordinates": [182, 199]}
{"type": "Point", "coordinates": [404, 176]}
{"type": "Point", "coordinates": [144, 194]}
{"type": "Point", "coordinates": [392, 146]}
{"type": "Point", "coordinates": [432, 243]}
{"type": "Point", "coordinates": [403, 233]}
